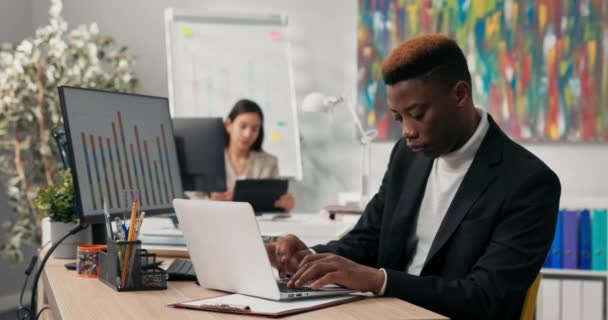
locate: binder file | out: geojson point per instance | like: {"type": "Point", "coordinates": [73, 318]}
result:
{"type": "Point", "coordinates": [547, 263]}
{"type": "Point", "coordinates": [598, 240]}
{"type": "Point", "coordinates": [584, 240]}
{"type": "Point", "coordinates": [570, 245]}
{"type": "Point", "coordinates": [555, 253]}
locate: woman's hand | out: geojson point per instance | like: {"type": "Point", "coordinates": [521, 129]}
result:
{"type": "Point", "coordinates": [222, 196]}
{"type": "Point", "coordinates": [286, 201]}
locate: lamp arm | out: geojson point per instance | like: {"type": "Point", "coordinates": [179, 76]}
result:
{"type": "Point", "coordinates": [356, 120]}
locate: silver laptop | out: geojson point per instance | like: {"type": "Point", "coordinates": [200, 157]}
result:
{"type": "Point", "coordinates": [228, 253]}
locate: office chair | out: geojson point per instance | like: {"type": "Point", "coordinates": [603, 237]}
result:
{"type": "Point", "coordinates": [527, 312]}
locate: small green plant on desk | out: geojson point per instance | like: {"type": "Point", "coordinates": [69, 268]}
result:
{"type": "Point", "coordinates": [57, 201]}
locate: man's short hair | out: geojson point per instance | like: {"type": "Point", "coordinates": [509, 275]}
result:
{"type": "Point", "coordinates": [426, 57]}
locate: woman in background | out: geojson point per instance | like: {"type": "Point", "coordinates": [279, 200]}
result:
{"type": "Point", "coordinates": [244, 156]}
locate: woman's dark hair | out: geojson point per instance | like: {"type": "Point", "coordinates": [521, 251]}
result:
{"type": "Point", "coordinates": [248, 106]}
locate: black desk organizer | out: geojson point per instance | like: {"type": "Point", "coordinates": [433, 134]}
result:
{"type": "Point", "coordinates": [138, 278]}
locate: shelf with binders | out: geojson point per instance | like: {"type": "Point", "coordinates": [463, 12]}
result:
{"type": "Point", "coordinates": [580, 242]}
{"type": "Point", "coordinates": [575, 274]}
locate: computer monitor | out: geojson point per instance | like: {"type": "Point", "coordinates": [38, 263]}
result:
{"type": "Point", "coordinates": [200, 148]}
{"type": "Point", "coordinates": [118, 142]}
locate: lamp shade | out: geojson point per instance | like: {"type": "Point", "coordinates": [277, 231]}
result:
{"type": "Point", "coordinates": [318, 102]}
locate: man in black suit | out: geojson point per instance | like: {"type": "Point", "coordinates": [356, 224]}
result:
{"type": "Point", "coordinates": [464, 217]}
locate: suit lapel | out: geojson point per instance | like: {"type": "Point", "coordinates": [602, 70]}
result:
{"type": "Point", "coordinates": [406, 211]}
{"type": "Point", "coordinates": [482, 172]}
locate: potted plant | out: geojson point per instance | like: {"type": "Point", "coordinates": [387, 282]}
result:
{"type": "Point", "coordinates": [30, 73]}
{"type": "Point", "coordinates": [56, 206]}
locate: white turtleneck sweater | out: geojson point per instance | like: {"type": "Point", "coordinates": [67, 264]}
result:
{"type": "Point", "coordinates": [444, 180]}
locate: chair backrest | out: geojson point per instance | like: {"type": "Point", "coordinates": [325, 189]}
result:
{"type": "Point", "coordinates": [527, 312]}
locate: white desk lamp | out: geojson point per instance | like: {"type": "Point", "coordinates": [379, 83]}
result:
{"type": "Point", "coordinates": [318, 102]}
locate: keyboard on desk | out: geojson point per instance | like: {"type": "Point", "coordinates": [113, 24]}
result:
{"type": "Point", "coordinates": [181, 269]}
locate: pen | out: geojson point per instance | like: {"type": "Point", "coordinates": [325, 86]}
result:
{"type": "Point", "coordinates": [140, 221]}
{"type": "Point", "coordinates": [119, 230]}
{"type": "Point", "coordinates": [108, 225]}
{"type": "Point", "coordinates": [125, 230]}
{"type": "Point", "coordinates": [130, 237]}
{"type": "Point", "coordinates": [229, 306]}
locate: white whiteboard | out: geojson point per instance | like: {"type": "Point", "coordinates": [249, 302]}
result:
{"type": "Point", "coordinates": [215, 59]}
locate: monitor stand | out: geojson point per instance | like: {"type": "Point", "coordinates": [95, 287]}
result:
{"type": "Point", "coordinates": [99, 233]}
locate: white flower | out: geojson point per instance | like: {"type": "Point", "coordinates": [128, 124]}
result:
{"type": "Point", "coordinates": [31, 86]}
{"type": "Point", "coordinates": [122, 64]}
{"type": "Point", "coordinates": [58, 47]}
{"type": "Point", "coordinates": [73, 72]}
{"type": "Point", "coordinates": [56, 7]}
{"type": "Point", "coordinates": [43, 32]}
{"type": "Point", "coordinates": [94, 29]}
{"type": "Point", "coordinates": [59, 25]}
{"type": "Point", "coordinates": [25, 47]}
{"type": "Point", "coordinates": [83, 32]}
{"type": "Point", "coordinates": [17, 67]}
{"type": "Point", "coordinates": [81, 63]}
{"type": "Point", "coordinates": [92, 71]}
{"type": "Point", "coordinates": [126, 78]}
{"type": "Point", "coordinates": [50, 74]}
{"type": "Point", "coordinates": [92, 50]}
{"type": "Point", "coordinates": [5, 58]}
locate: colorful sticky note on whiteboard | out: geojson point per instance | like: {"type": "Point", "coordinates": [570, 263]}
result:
{"type": "Point", "coordinates": [275, 35]}
{"type": "Point", "coordinates": [275, 136]}
{"type": "Point", "coordinates": [186, 32]}
{"type": "Point", "coordinates": [281, 123]}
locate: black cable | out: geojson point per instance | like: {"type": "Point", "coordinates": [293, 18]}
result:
{"type": "Point", "coordinates": [40, 312]}
{"type": "Point", "coordinates": [28, 271]}
{"type": "Point", "coordinates": [26, 313]}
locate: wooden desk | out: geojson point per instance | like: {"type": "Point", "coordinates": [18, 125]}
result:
{"type": "Point", "coordinates": [70, 297]}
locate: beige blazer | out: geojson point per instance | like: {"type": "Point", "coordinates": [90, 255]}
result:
{"type": "Point", "coordinates": [261, 165]}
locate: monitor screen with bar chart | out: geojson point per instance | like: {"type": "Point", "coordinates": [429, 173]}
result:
{"type": "Point", "coordinates": [120, 142]}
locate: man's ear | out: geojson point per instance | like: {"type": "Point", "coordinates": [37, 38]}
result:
{"type": "Point", "coordinates": [462, 93]}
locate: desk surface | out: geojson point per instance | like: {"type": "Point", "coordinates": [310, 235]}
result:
{"type": "Point", "coordinates": [70, 297]}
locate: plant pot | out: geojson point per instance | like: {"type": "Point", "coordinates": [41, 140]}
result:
{"type": "Point", "coordinates": [53, 231]}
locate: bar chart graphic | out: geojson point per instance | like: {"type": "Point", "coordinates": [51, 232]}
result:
{"type": "Point", "coordinates": [127, 159]}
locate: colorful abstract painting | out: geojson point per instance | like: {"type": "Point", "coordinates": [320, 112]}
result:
{"type": "Point", "coordinates": [540, 67]}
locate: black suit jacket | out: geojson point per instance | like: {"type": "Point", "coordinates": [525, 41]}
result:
{"type": "Point", "coordinates": [488, 249]}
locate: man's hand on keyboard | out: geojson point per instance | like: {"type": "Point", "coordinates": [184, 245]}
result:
{"type": "Point", "coordinates": [286, 254]}
{"type": "Point", "coordinates": [328, 268]}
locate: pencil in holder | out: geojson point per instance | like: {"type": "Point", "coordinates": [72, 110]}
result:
{"type": "Point", "coordinates": [127, 267]}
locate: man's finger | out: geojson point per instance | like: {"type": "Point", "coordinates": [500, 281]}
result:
{"type": "Point", "coordinates": [313, 257]}
{"type": "Point", "coordinates": [315, 271]}
{"type": "Point", "coordinates": [294, 277]}
{"type": "Point", "coordinates": [306, 263]}
{"type": "Point", "coordinates": [329, 278]}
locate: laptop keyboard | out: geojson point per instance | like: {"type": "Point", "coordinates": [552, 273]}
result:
{"type": "Point", "coordinates": [283, 288]}
{"type": "Point", "coordinates": [181, 269]}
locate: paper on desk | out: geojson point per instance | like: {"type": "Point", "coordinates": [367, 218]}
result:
{"type": "Point", "coordinates": [264, 306]}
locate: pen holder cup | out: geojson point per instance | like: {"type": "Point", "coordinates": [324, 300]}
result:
{"type": "Point", "coordinates": [141, 270]}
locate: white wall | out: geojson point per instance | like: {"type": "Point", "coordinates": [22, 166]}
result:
{"type": "Point", "coordinates": [15, 20]}
{"type": "Point", "coordinates": [15, 25]}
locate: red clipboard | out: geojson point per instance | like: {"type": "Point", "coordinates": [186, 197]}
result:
{"type": "Point", "coordinates": [261, 307]}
